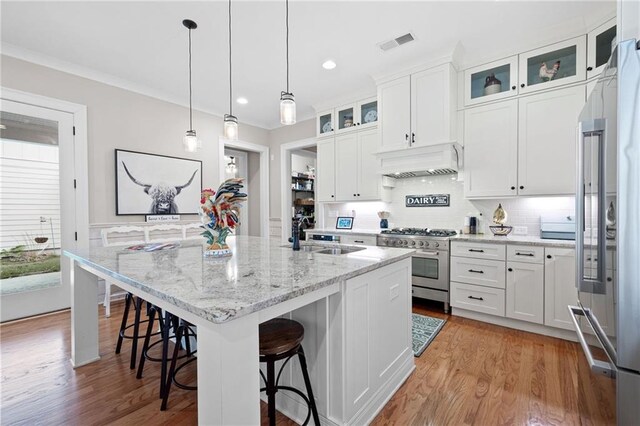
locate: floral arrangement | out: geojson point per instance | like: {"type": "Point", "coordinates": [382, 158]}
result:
{"type": "Point", "coordinates": [220, 214]}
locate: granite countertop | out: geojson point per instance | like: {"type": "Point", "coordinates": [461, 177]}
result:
{"type": "Point", "coordinates": [524, 240]}
{"type": "Point", "coordinates": [372, 232]}
{"type": "Point", "coordinates": [261, 273]}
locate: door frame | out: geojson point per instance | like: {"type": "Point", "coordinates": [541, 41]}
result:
{"type": "Point", "coordinates": [263, 151]}
{"type": "Point", "coordinates": [242, 164]}
{"type": "Point", "coordinates": [285, 185]}
{"type": "Point", "coordinates": [78, 118]}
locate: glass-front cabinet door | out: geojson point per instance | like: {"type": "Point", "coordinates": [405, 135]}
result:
{"type": "Point", "coordinates": [324, 123]}
{"type": "Point", "coordinates": [554, 65]}
{"type": "Point", "coordinates": [600, 44]}
{"type": "Point", "coordinates": [345, 118]}
{"type": "Point", "coordinates": [367, 112]}
{"type": "Point", "coordinates": [492, 81]}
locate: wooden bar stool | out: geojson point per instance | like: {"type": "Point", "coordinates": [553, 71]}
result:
{"type": "Point", "coordinates": [280, 339]}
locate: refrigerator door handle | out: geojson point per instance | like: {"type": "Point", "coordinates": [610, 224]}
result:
{"type": "Point", "coordinates": [597, 366]}
{"type": "Point", "coordinates": [591, 128]}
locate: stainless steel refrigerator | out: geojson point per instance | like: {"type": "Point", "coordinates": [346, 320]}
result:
{"type": "Point", "coordinates": [607, 314]}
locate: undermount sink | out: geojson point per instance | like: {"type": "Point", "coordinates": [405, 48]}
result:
{"type": "Point", "coordinates": [340, 250]}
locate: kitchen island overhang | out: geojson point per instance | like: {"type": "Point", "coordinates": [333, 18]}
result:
{"type": "Point", "coordinates": [356, 309]}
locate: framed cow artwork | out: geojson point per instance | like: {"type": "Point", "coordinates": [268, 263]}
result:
{"type": "Point", "coordinates": [149, 184]}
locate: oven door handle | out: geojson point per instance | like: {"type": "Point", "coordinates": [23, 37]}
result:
{"type": "Point", "coordinates": [597, 366]}
{"type": "Point", "coordinates": [427, 253]}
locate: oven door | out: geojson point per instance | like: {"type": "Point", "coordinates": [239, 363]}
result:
{"type": "Point", "coordinates": [430, 269]}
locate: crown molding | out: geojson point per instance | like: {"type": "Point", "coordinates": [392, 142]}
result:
{"type": "Point", "coordinates": [37, 58]}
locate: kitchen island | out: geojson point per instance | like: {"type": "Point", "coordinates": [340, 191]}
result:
{"type": "Point", "coordinates": [355, 307]}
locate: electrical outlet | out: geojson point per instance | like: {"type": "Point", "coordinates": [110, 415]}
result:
{"type": "Point", "coordinates": [520, 230]}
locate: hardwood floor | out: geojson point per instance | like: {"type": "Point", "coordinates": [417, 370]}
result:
{"type": "Point", "coordinates": [472, 373]}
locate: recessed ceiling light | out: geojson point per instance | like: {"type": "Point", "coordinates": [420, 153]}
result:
{"type": "Point", "coordinates": [242, 101]}
{"type": "Point", "coordinates": [329, 65]}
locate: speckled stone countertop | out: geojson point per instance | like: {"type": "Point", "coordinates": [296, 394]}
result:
{"type": "Point", "coordinates": [523, 240]}
{"type": "Point", "coordinates": [261, 273]}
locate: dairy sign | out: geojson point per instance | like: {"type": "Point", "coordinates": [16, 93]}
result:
{"type": "Point", "coordinates": [431, 200]}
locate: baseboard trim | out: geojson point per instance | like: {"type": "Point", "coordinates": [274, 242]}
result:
{"type": "Point", "coordinates": [517, 324]}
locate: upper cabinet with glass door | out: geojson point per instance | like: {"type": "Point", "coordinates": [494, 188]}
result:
{"type": "Point", "coordinates": [488, 82]}
{"type": "Point", "coordinates": [357, 115]}
{"type": "Point", "coordinates": [600, 44]}
{"type": "Point", "coordinates": [325, 123]}
{"type": "Point", "coordinates": [552, 66]}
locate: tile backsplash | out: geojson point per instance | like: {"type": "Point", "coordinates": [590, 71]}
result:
{"type": "Point", "coordinates": [522, 211]}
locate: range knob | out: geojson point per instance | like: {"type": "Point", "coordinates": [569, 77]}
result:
{"type": "Point", "coordinates": [426, 243]}
{"type": "Point", "coordinates": [405, 243]}
{"type": "Point", "coordinates": [413, 243]}
{"type": "Point", "coordinates": [421, 243]}
{"type": "Point", "coordinates": [437, 244]}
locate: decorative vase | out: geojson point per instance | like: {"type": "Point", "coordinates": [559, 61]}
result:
{"type": "Point", "coordinates": [384, 223]}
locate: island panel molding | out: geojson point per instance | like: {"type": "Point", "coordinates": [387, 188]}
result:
{"type": "Point", "coordinates": [152, 184]}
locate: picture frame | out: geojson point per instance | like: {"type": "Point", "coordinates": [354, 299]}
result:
{"type": "Point", "coordinates": [153, 184]}
{"type": "Point", "coordinates": [344, 222]}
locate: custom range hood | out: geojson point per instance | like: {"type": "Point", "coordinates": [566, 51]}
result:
{"type": "Point", "coordinates": [442, 159]}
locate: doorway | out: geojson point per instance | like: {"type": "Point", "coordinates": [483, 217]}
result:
{"type": "Point", "coordinates": [251, 162]}
{"type": "Point", "coordinates": [41, 214]}
{"type": "Point", "coordinates": [297, 178]}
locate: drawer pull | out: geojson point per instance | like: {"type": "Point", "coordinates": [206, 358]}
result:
{"type": "Point", "coordinates": [525, 254]}
{"type": "Point", "coordinates": [475, 298]}
{"type": "Point", "coordinates": [476, 272]}
{"type": "Point", "coordinates": [358, 241]}
{"type": "Point", "coordinates": [476, 250]}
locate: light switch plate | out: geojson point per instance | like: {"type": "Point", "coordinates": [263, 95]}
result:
{"type": "Point", "coordinates": [520, 230]}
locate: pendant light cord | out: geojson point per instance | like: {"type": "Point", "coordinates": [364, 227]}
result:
{"type": "Point", "coordinates": [190, 103]}
{"type": "Point", "coordinates": [230, 82]}
{"type": "Point", "coordinates": [287, 19]}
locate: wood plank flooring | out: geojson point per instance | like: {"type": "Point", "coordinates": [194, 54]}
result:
{"type": "Point", "coordinates": [472, 373]}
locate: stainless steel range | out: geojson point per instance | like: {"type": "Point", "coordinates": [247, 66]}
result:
{"type": "Point", "coordinates": [430, 263]}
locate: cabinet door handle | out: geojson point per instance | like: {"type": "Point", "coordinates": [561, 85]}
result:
{"type": "Point", "coordinates": [510, 269]}
{"type": "Point", "coordinates": [358, 195]}
{"type": "Point", "coordinates": [525, 254]}
{"type": "Point", "coordinates": [521, 187]}
{"type": "Point", "coordinates": [475, 298]}
{"type": "Point", "coordinates": [476, 250]}
{"type": "Point", "coordinates": [476, 271]}
{"type": "Point", "coordinates": [406, 136]}
{"type": "Point", "coordinates": [548, 256]}
{"type": "Point", "coordinates": [359, 241]}
{"type": "Point", "coordinates": [513, 188]}
{"type": "Point", "coordinates": [522, 85]}
{"type": "Point", "coordinates": [589, 68]}
{"type": "Point", "coordinates": [413, 138]}
{"type": "Point", "coordinates": [332, 196]}
{"type": "Point", "coordinates": [513, 87]}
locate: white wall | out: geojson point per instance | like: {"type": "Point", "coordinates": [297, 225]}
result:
{"type": "Point", "coordinates": [523, 211]}
{"type": "Point", "coordinates": [29, 190]}
{"type": "Point", "coordinates": [253, 185]}
{"type": "Point", "coordinates": [300, 159]}
{"type": "Point", "coordinates": [118, 118]}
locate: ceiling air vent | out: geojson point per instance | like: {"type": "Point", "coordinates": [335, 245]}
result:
{"type": "Point", "coordinates": [398, 41]}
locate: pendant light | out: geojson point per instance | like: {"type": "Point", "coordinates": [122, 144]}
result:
{"type": "Point", "coordinates": [230, 121]}
{"type": "Point", "coordinates": [191, 142]}
{"type": "Point", "coordinates": [287, 100]}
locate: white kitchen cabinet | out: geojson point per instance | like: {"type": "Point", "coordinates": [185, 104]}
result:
{"type": "Point", "coordinates": [492, 81]}
{"type": "Point", "coordinates": [433, 106]}
{"type": "Point", "coordinates": [551, 66]}
{"type": "Point", "coordinates": [547, 141]}
{"type": "Point", "coordinates": [395, 104]}
{"type": "Point", "coordinates": [375, 309]}
{"type": "Point", "coordinates": [325, 123]}
{"type": "Point", "coordinates": [525, 292]}
{"type": "Point", "coordinates": [477, 298]}
{"type": "Point", "coordinates": [356, 167]}
{"type": "Point", "coordinates": [326, 171]}
{"type": "Point", "coordinates": [559, 286]}
{"type": "Point", "coordinates": [491, 150]}
{"type": "Point", "coordinates": [357, 115]}
{"type": "Point", "coordinates": [488, 273]}
{"type": "Point", "coordinates": [599, 47]}
{"type": "Point", "coordinates": [361, 240]}
{"type": "Point", "coordinates": [345, 118]}
{"type": "Point", "coordinates": [478, 250]}
{"type": "Point", "coordinates": [419, 109]}
{"type": "Point", "coordinates": [346, 171]}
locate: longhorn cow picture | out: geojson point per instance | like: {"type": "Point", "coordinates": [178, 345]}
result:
{"type": "Point", "coordinates": [149, 184]}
